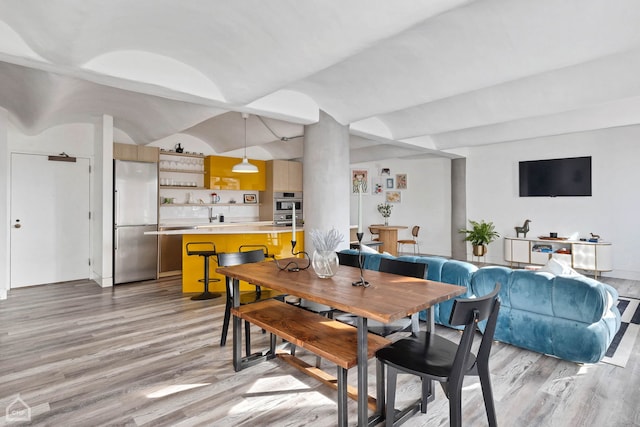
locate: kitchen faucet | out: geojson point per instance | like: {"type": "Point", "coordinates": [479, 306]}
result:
{"type": "Point", "coordinates": [211, 215]}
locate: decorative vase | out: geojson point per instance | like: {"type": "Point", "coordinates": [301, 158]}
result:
{"type": "Point", "coordinates": [386, 220]}
{"type": "Point", "coordinates": [325, 263]}
{"type": "Point", "coordinates": [479, 250]}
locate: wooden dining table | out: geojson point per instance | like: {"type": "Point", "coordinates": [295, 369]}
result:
{"type": "Point", "coordinates": [388, 297]}
{"type": "Point", "coordinates": [388, 235]}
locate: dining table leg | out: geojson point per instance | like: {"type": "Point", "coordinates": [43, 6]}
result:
{"type": "Point", "coordinates": [363, 386]}
{"type": "Point", "coordinates": [431, 324]}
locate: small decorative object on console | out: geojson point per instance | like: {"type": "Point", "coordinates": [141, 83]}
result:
{"type": "Point", "coordinates": [524, 229]}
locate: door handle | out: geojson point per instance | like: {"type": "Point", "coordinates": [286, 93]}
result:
{"type": "Point", "coordinates": [18, 225]}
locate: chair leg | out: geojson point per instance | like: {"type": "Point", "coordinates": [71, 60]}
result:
{"type": "Point", "coordinates": [380, 384]}
{"type": "Point", "coordinates": [426, 390]}
{"type": "Point", "coordinates": [225, 323]}
{"type": "Point", "coordinates": [390, 412]}
{"type": "Point", "coordinates": [455, 407]}
{"type": "Point", "coordinates": [487, 394]}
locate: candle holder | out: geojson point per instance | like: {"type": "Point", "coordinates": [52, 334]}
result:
{"type": "Point", "coordinates": [360, 282]}
{"type": "Point", "coordinates": [293, 265]}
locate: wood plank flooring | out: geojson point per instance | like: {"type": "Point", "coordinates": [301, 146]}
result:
{"type": "Point", "coordinates": [146, 355]}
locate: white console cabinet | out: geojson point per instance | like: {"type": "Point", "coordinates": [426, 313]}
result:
{"type": "Point", "coordinates": [590, 256]}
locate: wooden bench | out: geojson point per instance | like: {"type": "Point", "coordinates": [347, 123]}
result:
{"type": "Point", "coordinates": [334, 341]}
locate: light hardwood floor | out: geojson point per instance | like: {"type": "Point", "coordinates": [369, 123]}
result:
{"type": "Point", "coordinates": [145, 354]}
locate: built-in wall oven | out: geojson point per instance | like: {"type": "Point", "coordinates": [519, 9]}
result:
{"type": "Point", "coordinates": [283, 205]}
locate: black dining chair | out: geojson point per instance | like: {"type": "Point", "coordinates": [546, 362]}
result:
{"type": "Point", "coordinates": [228, 259]}
{"type": "Point", "coordinates": [434, 358]}
{"type": "Point", "coordinates": [393, 266]}
{"type": "Point", "coordinates": [352, 260]}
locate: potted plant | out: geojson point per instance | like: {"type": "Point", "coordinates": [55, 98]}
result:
{"type": "Point", "coordinates": [481, 234]}
{"type": "Point", "coordinates": [385, 211]}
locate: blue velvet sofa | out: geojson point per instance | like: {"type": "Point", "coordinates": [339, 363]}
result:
{"type": "Point", "coordinates": [570, 317]}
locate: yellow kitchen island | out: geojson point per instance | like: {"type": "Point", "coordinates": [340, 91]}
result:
{"type": "Point", "coordinates": [229, 238]}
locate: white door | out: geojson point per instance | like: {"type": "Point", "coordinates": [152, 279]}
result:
{"type": "Point", "coordinates": [50, 237]}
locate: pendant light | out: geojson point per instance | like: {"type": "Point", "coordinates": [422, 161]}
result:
{"type": "Point", "coordinates": [245, 166]}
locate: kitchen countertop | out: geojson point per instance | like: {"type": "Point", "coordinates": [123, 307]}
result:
{"type": "Point", "coordinates": [261, 227]}
{"type": "Point", "coordinates": [204, 223]}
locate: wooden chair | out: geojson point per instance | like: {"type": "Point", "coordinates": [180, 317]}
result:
{"type": "Point", "coordinates": [432, 357]}
{"type": "Point", "coordinates": [414, 232]}
{"type": "Point", "coordinates": [375, 233]}
{"type": "Point", "coordinates": [227, 259]}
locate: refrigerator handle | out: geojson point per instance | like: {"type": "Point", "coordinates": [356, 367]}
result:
{"type": "Point", "coordinates": [116, 206]}
{"type": "Point", "coordinates": [115, 241]}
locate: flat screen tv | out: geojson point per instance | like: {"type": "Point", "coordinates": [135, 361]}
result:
{"type": "Point", "coordinates": [556, 177]}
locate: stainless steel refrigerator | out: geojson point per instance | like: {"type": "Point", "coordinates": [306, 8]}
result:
{"type": "Point", "coordinates": [135, 211]}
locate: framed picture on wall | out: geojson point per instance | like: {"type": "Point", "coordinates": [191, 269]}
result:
{"type": "Point", "coordinates": [393, 196]}
{"type": "Point", "coordinates": [401, 181]}
{"type": "Point", "coordinates": [376, 186]}
{"type": "Point", "coordinates": [250, 198]}
{"type": "Point", "coordinates": [360, 181]}
{"type": "Point", "coordinates": [389, 182]}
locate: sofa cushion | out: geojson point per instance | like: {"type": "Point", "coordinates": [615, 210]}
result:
{"type": "Point", "coordinates": [580, 298]}
{"type": "Point", "coordinates": [570, 317]}
{"type": "Point", "coordinates": [555, 267]}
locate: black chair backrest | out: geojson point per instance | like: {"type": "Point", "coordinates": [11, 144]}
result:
{"type": "Point", "coordinates": [198, 248]}
{"type": "Point", "coordinates": [246, 248]}
{"type": "Point", "coordinates": [348, 259]}
{"type": "Point", "coordinates": [403, 268]}
{"type": "Point", "coordinates": [415, 230]}
{"type": "Point", "coordinates": [227, 259]}
{"type": "Point", "coordinates": [468, 312]}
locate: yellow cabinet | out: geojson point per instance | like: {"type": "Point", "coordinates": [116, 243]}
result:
{"type": "Point", "coordinates": [136, 153]}
{"type": "Point", "coordinates": [284, 175]}
{"type": "Point", "coordinates": [218, 175]}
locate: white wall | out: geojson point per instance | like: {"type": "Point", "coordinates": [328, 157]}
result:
{"type": "Point", "coordinates": [426, 202]}
{"type": "Point", "coordinates": [612, 211]}
{"type": "Point", "coordinates": [4, 207]}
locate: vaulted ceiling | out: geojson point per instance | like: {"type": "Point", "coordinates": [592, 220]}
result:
{"type": "Point", "coordinates": [411, 78]}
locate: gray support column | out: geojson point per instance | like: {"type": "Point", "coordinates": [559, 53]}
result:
{"type": "Point", "coordinates": [326, 178]}
{"type": "Point", "coordinates": [102, 202]}
{"type": "Point", "coordinates": [458, 208]}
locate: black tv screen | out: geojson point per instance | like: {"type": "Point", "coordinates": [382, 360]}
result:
{"type": "Point", "coordinates": [556, 177]}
